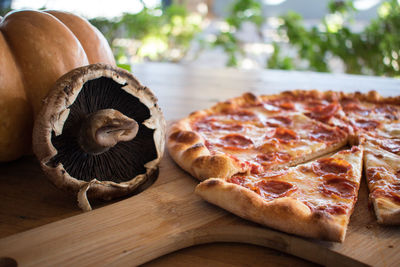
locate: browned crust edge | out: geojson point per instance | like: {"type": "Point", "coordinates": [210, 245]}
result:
{"type": "Point", "coordinates": [189, 151]}
{"type": "Point", "coordinates": [188, 148]}
{"type": "Point", "coordinates": [372, 97]}
{"type": "Point", "coordinates": [285, 214]}
{"type": "Point", "coordinates": [328, 95]}
{"type": "Point", "coordinates": [55, 110]}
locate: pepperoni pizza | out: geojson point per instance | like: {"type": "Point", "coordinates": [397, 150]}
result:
{"type": "Point", "coordinates": [271, 158]}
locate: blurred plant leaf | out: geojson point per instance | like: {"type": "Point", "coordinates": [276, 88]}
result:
{"type": "Point", "coordinates": [374, 50]}
{"type": "Point", "coordinates": [125, 66]}
{"type": "Point", "coordinates": [160, 34]}
{"type": "Point", "coordinates": [241, 11]}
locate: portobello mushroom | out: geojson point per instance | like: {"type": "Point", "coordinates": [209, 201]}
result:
{"type": "Point", "coordinates": [100, 133]}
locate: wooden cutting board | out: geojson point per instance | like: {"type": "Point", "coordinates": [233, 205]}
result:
{"type": "Point", "coordinates": [168, 216]}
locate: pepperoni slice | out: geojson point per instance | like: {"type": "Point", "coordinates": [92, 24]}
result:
{"type": "Point", "coordinates": [352, 105]}
{"type": "Point", "coordinates": [240, 114]}
{"type": "Point", "coordinates": [204, 125]}
{"type": "Point", "coordinates": [337, 209]}
{"type": "Point", "coordinates": [312, 103]}
{"type": "Point", "coordinates": [283, 103]}
{"type": "Point", "coordinates": [391, 194]}
{"type": "Point", "coordinates": [331, 167]}
{"type": "Point", "coordinates": [389, 112]}
{"type": "Point", "coordinates": [278, 121]}
{"type": "Point", "coordinates": [323, 112]}
{"type": "Point", "coordinates": [391, 145]}
{"type": "Point", "coordinates": [255, 168]}
{"type": "Point", "coordinates": [305, 168]}
{"type": "Point", "coordinates": [270, 158]}
{"type": "Point", "coordinates": [334, 165]}
{"type": "Point", "coordinates": [239, 180]}
{"type": "Point", "coordinates": [269, 174]}
{"type": "Point", "coordinates": [232, 127]}
{"type": "Point", "coordinates": [235, 142]}
{"type": "Point", "coordinates": [334, 209]}
{"type": "Point", "coordinates": [285, 135]}
{"type": "Point", "coordinates": [366, 124]}
{"type": "Point", "coordinates": [374, 174]}
{"type": "Point", "coordinates": [326, 134]}
{"type": "Point", "coordinates": [273, 189]}
{"type": "Point", "coordinates": [349, 103]}
{"type": "Point", "coordinates": [395, 187]}
{"type": "Point", "coordinates": [339, 187]}
{"type": "Point", "coordinates": [381, 175]}
{"type": "Point", "coordinates": [287, 105]}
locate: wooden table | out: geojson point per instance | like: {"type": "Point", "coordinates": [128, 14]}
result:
{"type": "Point", "coordinates": [29, 201]}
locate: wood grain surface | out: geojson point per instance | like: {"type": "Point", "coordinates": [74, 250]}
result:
{"type": "Point", "coordinates": [168, 216]}
{"type": "Point", "coordinates": [27, 200]}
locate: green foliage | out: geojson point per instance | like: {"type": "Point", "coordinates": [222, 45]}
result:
{"type": "Point", "coordinates": [279, 61]}
{"type": "Point", "coordinates": [245, 10]}
{"type": "Point", "coordinates": [242, 11]}
{"type": "Point", "coordinates": [161, 35]}
{"type": "Point", "coordinates": [108, 27]}
{"type": "Point", "coordinates": [374, 50]}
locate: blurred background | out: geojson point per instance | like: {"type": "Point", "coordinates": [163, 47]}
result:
{"type": "Point", "coordinates": [358, 37]}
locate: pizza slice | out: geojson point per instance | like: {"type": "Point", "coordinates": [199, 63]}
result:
{"type": "Point", "coordinates": [314, 199]}
{"type": "Point", "coordinates": [232, 138]}
{"type": "Point", "coordinates": [296, 141]}
{"type": "Point", "coordinates": [382, 170]}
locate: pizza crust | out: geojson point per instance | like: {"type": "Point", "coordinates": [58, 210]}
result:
{"type": "Point", "coordinates": [285, 214]}
{"type": "Point", "coordinates": [372, 97]}
{"type": "Point", "coordinates": [188, 150]}
{"type": "Point", "coordinates": [305, 94]}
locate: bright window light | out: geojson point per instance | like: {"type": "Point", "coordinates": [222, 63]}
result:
{"type": "Point", "coordinates": [273, 2]}
{"type": "Point", "coordinates": [365, 4]}
{"type": "Point", "coordinates": [88, 8]}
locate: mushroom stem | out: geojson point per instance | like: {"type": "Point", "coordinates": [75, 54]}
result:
{"type": "Point", "coordinates": [103, 129]}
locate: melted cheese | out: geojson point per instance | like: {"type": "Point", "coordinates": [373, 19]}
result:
{"type": "Point", "coordinates": [309, 185]}
{"type": "Point", "coordinates": [263, 136]}
{"type": "Point", "coordinates": [382, 169]}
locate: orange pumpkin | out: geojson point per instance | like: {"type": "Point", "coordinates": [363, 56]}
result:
{"type": "Point", "coordinates": [36, 48]}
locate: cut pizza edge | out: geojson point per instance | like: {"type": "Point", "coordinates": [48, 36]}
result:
{"type": "Point", "coordinates": [381, 168]}
{"type": "Point", "coordinates": [288, 214]}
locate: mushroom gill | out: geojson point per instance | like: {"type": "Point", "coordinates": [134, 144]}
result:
{"type": "Point", "coordinates": [118, 163]}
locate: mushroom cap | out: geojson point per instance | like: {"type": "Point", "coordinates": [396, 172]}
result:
{"type": "Point", "coordinates": [121, 169]}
